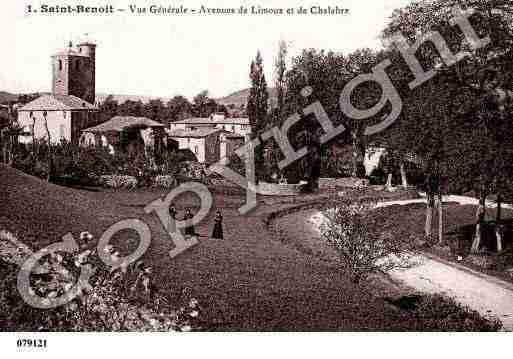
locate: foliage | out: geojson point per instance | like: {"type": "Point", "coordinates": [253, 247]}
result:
{"type": "Point", "coordinates": [327, 73]}
{"type": "Point", "coordinates": [165, 182]}
{"type": "Point", "coordinates": [439, 313]}
{"type": "Point", "coordinates": [177, 108]}
{"type": "Point", "coordinates": [118, 181]}
{"type": "Point", "coordinates": [257, 108]}
{"type": "Point", "coordinates": [362, 252]}
{"type": "Point", "coordinates": [204, 106]}
{"type": "Point", "coordinates": [90, 166]}
{"type": "Point", "coordinates": [73, 165]}
{"type": "Point", "coordinates": [124, 299]}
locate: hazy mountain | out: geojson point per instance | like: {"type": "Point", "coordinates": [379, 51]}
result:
{"type": "Point", "coordinates": [237, 98]}
{"type": "Point", "coordinates": [241, 98]}
{"type": "Point", "coordinates": [123, 98]}
{"type": "Point", "coordinates": [6, 97]}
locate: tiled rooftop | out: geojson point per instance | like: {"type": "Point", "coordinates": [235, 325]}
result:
{"type": "Point", "coordinates": [120, 123]}
{"type": "Point", "coordinates": [58, 103]}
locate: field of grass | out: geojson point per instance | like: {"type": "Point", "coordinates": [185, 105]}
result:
{"type": "Point", "coordinates": [250, 281]}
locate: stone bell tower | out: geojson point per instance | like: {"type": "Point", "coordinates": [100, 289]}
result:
{"type": "Point", "coordinates": [74, 71]}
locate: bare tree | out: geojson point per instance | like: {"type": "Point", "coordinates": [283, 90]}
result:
{"type": "Point", "coordinates": [49, 144]}
{"type": "Point", "coordinates": [362, 251]}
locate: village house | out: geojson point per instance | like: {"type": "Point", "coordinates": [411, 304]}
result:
{"type": "Point", "coordinates": [203, 142]}
{"type": "Point", "coordinates": [239, 126]}
{"type": "Point", "coordinates": [127, 134]}
{"type": "Point", "coordinates": [69, 109]}
{"type": "Point", "coordinates": [210, 139]}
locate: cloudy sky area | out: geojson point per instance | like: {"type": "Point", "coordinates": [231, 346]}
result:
{"type": "Point", "coordinates": [159, 55]}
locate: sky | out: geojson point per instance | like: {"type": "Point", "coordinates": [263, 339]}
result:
{"type": "Point", "coordinates": [164, 55]}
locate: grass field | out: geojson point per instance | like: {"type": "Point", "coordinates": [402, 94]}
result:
{"type": "Point", "coordinates": [249, 281]}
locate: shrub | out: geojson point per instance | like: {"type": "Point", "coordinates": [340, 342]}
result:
{"type": "Point", "coordinates": [165, 182]}
{"type": "Point", "coordinates": [119, 181]}
{"type": "Point", "coordinates": [435, 312]}
{"type": "Point", "coordinates": [124, 299]}
{"type": "Point", "coordinates": [363, 252]}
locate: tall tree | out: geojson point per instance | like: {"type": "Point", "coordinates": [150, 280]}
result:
{"type": "Point", "coordinates": [280, 81]}
{"type": "Point", "coordinates": [107, 109]}
{"type": "Point", "coordinates": [272, 151]}
{"type": "Point", "coordinates": [203, 105]}
{"type": "Point", "coordinates": [258, 99]}
{"type": "Point", "coordinates": [155, 110]}
{"type": "Point", "coordinates": [257, 109]}
{"type": "Point", "coordinates": [458, 106]}
{"type": "Point", "coordinates": [179, 108]}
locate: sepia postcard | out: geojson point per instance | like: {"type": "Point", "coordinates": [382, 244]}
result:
{"type": "Point", "coordinates": [327, 172]}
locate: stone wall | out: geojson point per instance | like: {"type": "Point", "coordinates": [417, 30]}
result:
{"type": "Point", "coordinates": [335, 183]}
{"type": "Point", "coordinates": [275, 189]}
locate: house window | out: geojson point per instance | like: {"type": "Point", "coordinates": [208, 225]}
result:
{"type": "Point", "coordinates": [64, 114]}
{"type": "Point", "coordinates": [77, 65]}
{"type": "Point", "coordinates": [196, 149]}
{"type": "Point", "coordinates": [233, 128]}
{"type": "Point", "coordinates": [60, 65]}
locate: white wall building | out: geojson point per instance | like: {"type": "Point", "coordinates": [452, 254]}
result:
{"type": "Point", "coordinates": [203, 142]}
{"type": "Point", "coordinates": [212, 138]}
{"type": "Point", "coordinates": [239, 126]}
{"type": "Point", "coordinates": [64, 115]}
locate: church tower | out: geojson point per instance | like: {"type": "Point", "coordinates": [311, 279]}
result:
{"type": "Point", "coordinates": [74, 72]}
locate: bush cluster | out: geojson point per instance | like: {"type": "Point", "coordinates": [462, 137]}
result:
{"type": "Point", "coordinates": [118, 181]}
{"type": "Point", "coordinates": [74, 165]}
{"type": "Point", "coordinates": [439, 313]}
{"type": "Point", "coordinates": [123, 299]}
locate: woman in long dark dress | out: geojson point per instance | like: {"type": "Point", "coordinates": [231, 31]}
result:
{"type": "Point", "coordinates": [218, 226]}
{"type": "Point", "coordinates": [172, 220]}
{"type": "Point", "coordinates": [189, 230]}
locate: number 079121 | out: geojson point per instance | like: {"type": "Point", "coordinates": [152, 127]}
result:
{"type": "Point", "coordinates": [31, 343]}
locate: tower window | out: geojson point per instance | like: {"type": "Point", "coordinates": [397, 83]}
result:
{"type": "Point", "coordinates": [60, 65]}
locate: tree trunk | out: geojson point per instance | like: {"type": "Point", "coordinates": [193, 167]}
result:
{"type": "Point", "coordinates": [388, 185]}
{"type": "Point", "coordinates": [355, 154]}
{"type": "Point", "coordinates": [440, 218]}
{"type": "Point", "coordinates": [404, 179]}
{"type": "Point", "coordinates": [480, 216]}
{"type": "Point", "coordinates": [3, 143]}
{"type": "Point", "coordinates": [498, 225]}
{"type": "Point", "coordinates": [428, 228]}
{"type": "Point", "coordinates": [34, 149]}
{"type": "Point", "coordinates": [50, 157]}
{"type": "Point", "coordinates": [499, 210]}
{"type": "Point", "coordinates": [498, 236]}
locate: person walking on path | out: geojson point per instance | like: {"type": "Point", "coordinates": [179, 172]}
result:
{"type": "Point", "coordinates": [218, 226]}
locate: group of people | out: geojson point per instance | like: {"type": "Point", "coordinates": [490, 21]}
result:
{"type": "Point", "coordinates": [190, 231]}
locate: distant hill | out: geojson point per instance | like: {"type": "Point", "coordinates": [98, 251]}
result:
{"type": "Point", "coordinates": [241, 98]}
{"type": "Point", "coordinates": [123, 98]}
{"type": "Point", "coordinates": [6, 97]}
{"type": "Point", "coordinates": [237, 98]}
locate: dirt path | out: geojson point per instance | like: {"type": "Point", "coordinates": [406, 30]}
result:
{"type": "Point", "coordinates": [489, 296]}
{"type": "Point", "coordinates": [485, 294]}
